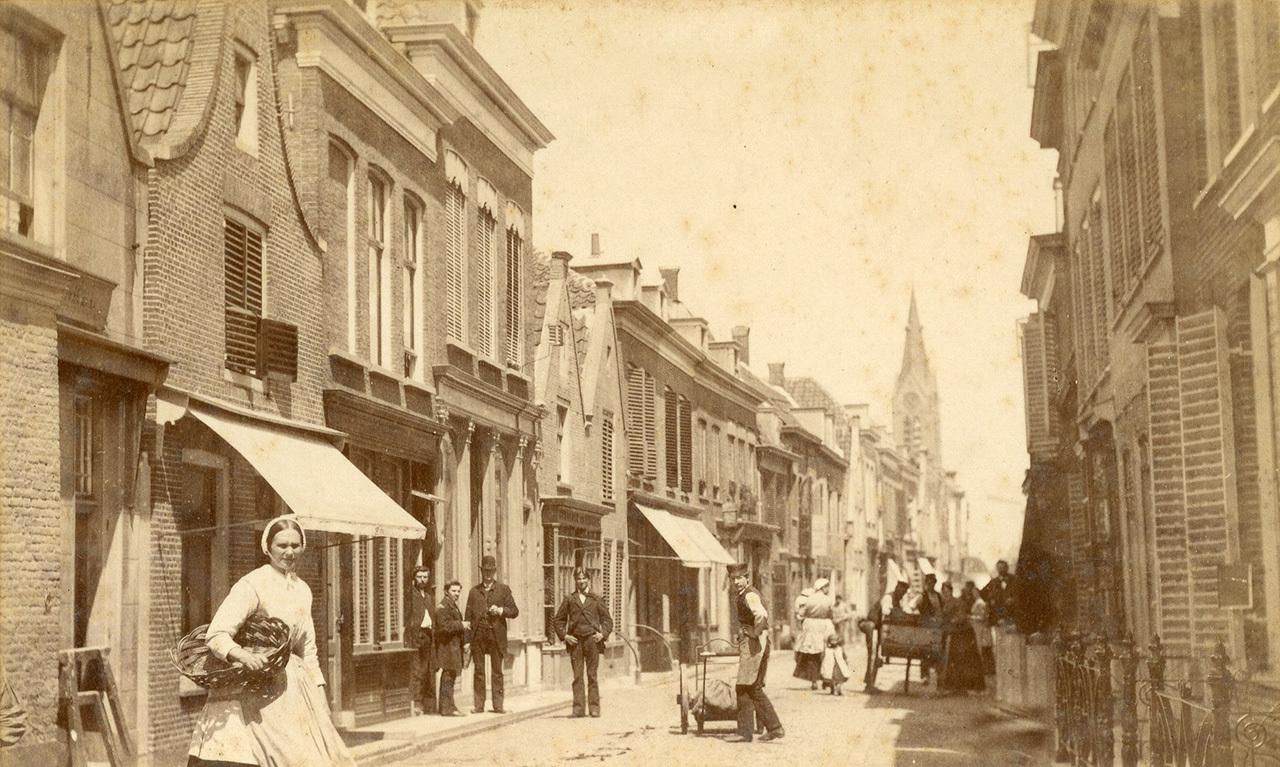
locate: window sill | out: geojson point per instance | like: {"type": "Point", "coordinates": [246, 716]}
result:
{"type": "Point", "coordinates": [244, 381]}
{"type": "Point", "coordinates": [371, 651]}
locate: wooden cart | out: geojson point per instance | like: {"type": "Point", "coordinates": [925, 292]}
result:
{"type": "Point", "coordinates": [687, 698]}
{"type": "Point", "coordinates": [906, 640]}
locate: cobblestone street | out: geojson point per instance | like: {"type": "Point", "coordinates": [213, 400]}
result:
{"type": "Point", "coordinates": [641, 727]}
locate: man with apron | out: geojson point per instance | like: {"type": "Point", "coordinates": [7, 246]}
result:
{"type": "Point", "coordinates": [753, 661]}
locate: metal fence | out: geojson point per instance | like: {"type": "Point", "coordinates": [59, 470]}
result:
{"type": "Point", "coordinates": [1190, 721]}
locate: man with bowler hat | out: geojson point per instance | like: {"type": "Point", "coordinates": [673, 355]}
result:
{"type": "Point", "coordinates": [583, 623]}
{"type": "Point", "coordinates": [753, 660]}
{"type": "Point", "coordinates": [488, 606]}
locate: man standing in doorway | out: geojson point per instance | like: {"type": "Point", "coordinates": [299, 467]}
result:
{"type": "Point", "coordinates": [583, 623]}
{"type": "Point", "coordinates": [489, 605]}
{"type": "Point", "coordinates": [998, 594]}
{"type": "Point", "coordinates": [753, 661]}
{"type": "Point", "coordinates": [418, 631]}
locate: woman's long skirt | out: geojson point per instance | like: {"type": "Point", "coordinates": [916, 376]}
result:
{"type": "Point", "coordinates": [963, 669]}
{"type": "Point", "coordinates": [810, 646]}
{"type": "Point", "coordinates": [285, 723]}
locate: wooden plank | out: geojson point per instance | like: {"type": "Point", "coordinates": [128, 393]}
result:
{"type": "Point", "coordinates": [69, 693]}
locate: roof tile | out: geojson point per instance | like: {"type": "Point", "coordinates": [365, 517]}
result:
{"type": "Point", "coordinates": [153, 46]}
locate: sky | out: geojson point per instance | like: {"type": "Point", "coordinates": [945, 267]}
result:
{"type": "Point", "coordinates": [806, 165]}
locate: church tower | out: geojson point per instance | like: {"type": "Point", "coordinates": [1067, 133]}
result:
{"type": "Point", "coordinates": [916, 418]}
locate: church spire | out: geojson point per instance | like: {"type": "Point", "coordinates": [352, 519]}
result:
{"type": "Point", "coordinates": [915, 399]}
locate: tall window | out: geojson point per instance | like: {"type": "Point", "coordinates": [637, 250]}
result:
{"type": "Point", "coordinates": [379, 274]}
{"type": "Point", "coordinates": [611, 587]}
{"type": "Point", "coordinates": [562, 443]}
{"type": "Point", "coordinates": [606, 455]}
{"type": "Point", "coordinates": [455, 213]}
{"type": "Point", "coordinates": [486, 233]}
{"type": "Point", "coordinates": [671, 410]}
{"type": "Point", "coordinates": [242, 250]}
{"type": "Point", "coordinates": [377, 565]}
{"type": "Point", "coordinates": [515, 278]}
{"type": "Point", "coordinates": [565, 548]}
{"type": "Point", "coordinates": [343, 195]}
{"type": "Point", "coordinates": [22, 77]}
{"type": "Point", "coordinates": [714, 463]}
{"type": "Point", "coordinates": [1266, 46]}
{"type": "Point", "coordinates": [642, 437]}
{"type": "Point", "coordinates": [413, 309]}
{"type": "Point", "coordinates": [1226, 74]}
{"type": "Point", "coordinates": [246, 100]}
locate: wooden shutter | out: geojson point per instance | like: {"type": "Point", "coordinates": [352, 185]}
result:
{"type": "Point", "coordinates": [619, 588]}
{"type": "Point", "coordinates": [277, 350]}
{"type": "Point", "coordinates": [606, 455]}
{"type": "Point", "coordinates": [484, 279]}
{"type": "Point", "coordinates": [455, 262]}
{"type": "Point", "coordinates": [1226, 57]}
{"type": "Point", "coordinates": [242, 262]}
{"type": "Point", "coordinates": [686, 446]}
{"type": "Point", "coordinates": [1266, 46]}
{"type": "Point", "coordinates": [1127, 150]}
{"type": "Point", "coordinates": [514, 279]}
{"type": "Point", "coordinates": [1115, 215]}
{"type": "Point", "coordinates": [650, 427]}
{"type": "Point", "coordinates": [1101, 326]}
{"type": "Point", "coordinates": [635, 421]}
{"type": "Point", "coordinates": [1148, 150]}
{"type": "Point", "coordinates": [672, 422]}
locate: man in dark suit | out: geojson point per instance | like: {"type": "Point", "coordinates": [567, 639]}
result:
{"type": "Point", "coordinates": [998, 594]}
{"type": "Point", "coordinates": [418, 636]}
{"type": "Point", "coordinates": [489, 605]}
{"type": "Point", "coordinates": [583, 623]}
{"type": "Point", "coordinates": [450, 641]}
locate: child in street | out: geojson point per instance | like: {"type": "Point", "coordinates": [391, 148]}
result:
{"type": "Point", "coordinates": [835, 666]}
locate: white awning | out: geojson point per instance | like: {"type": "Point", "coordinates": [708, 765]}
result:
{"type": "Point", "coordinates": [325, 490]}
{"type": "Point", "coordinates": [692, 542]}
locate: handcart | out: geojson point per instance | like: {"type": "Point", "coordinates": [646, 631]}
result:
{"type": "Point", "coordinates": [909, 640]}
{"type": "Point", "coordinates": [711, 700]}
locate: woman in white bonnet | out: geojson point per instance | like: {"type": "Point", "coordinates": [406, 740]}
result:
{"type": "Point", "coordinates": [815, 626]}
{"type": "Point", "coordinates": [284, 722]}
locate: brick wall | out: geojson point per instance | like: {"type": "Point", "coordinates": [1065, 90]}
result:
{"type": "Point", "coordinates": [31, 611]}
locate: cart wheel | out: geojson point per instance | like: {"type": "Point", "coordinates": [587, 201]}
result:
{"type": "Point", "coordinates": [684, 715]}
{"type": "Point", "coordinates": [906, 680]}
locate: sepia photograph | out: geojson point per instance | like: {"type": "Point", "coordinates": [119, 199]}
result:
{"type": "Point", "coordinates": [640, 382]}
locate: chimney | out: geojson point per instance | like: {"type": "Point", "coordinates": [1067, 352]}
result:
{"type": "Point", "coordinates": [742, 334]}
{"type": "Point", "coordinates": [595, 245]}
{"type": "Point", "coordinates": [604, 291]}
{"type": "Point", "coordinates": [560, 265]}
{"type": "Point", "coordinates": [776, 376]}
{"type": "Point", "coordinates": [671, 279]}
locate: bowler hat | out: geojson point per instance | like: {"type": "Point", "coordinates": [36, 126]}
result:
{"type": "Point", "coordinates": [488, 562]}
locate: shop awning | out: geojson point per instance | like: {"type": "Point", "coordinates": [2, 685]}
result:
{"type": "Point", "coordinates": [692, 542]}
{"type": "Point", "coordinates": [325, 490]}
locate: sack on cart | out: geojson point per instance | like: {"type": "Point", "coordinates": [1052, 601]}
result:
{"type": "Point", "coordinates": [721, 702]}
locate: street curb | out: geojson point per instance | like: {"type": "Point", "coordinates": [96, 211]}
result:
{"type": "Point", "coordinates": [390, 750]}
{"type": "Point", "coordinates": [386, 751]}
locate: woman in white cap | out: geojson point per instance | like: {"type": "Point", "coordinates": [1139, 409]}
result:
{"type": "Point", "coordinates": [815, 626]}
{"type": "Point", "coordinates": [285, 722]}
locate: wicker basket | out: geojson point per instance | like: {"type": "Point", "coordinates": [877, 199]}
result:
{"type": "Point", "coordinates": [193, 659]}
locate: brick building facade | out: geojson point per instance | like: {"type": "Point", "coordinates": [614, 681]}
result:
{"type": "Point", "coordinates": [1151, 329]}
{"type": "Point", "coordinates": [582, 505]}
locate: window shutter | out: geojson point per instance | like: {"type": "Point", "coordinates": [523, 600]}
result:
{"type": "Point", "coordinates": [1266, 31]}
{"type": "Point", "coordinates": [484, 288]}
{"type": "Point", "coordinates": [1148, 150]}
{"type": "Point", "coordinates": [1084, 349]}
{"type": "Point", "coordinates": [686, 446]}
{"type": "Point", "coordinates": [606, 455]}
{"type": "Point", "coordinates": [1127, 150]}
{"type": "Point", "coordinates": [619, 575]}
{"type": "Point", "coordinates": [514, 277]}
{"type": "Point", "coordinates": [650, 427]}
{"type": "Point", "coordinates": [455, 226]}
{"type": "Point", "coordinates": [635, 421]}
{"type": "Point", "coordinates": [1115, 216]}
{"type": "Point", "coordinates": [1224, 38]}
{"type": "Point", "coordinates": [1098, 289]}
{"type": "Point", "coordinates": [672, 422]}
{"type": "Point", "coordinates": [277, 350]}
{"type": "Point", "coordinates": [242, 256]}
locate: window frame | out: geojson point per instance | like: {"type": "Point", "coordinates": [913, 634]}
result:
{"type": "Point", "coordinates": [413, 274]}
{"type": "Point", "coordinates": [245, 98]}
{"type": "Point", "coordinates": [378, 191]}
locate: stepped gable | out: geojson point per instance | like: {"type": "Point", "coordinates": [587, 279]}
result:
{"type": "Point", "coordinates": [166, 52]}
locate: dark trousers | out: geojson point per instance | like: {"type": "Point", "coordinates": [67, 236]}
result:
{"type": "Point", "coordinates": [422, 677]}
{"type": "Point", "coordinates": [585, 659]}
{"type": "Point", "coordinates": [478, 656]}
{"type": "Point", "coordinates": [752, 701]}
{"type": "Point", "coordinates": [447, 679]}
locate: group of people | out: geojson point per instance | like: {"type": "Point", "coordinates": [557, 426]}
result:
{"type": "Point", "coordinates": [819, 645]}
{"type": "Point", "coordinates": [284, 721]}
{"type": "Point", "coordinates": [966, 619]}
